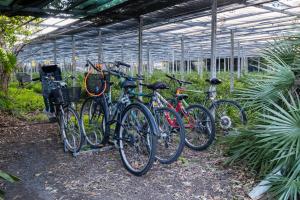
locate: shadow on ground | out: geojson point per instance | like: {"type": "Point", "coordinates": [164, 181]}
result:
{"type": "Point", "coordinates": [35, 154]}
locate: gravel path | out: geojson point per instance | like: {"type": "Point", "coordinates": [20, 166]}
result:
{"type": "Point", "coordinates": [35, 154]}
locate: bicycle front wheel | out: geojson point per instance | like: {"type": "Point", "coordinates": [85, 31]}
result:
{"type": "Point", "coordinates": [229, 116]}
{"type": "Point", "coordinates": [200, 127]}
{"type": "Point", "coordinates": [171, 135]}
{"type": "Point", "coordinates": [71, 129]}
{"type": "Point", "coordinates": [137, 139]}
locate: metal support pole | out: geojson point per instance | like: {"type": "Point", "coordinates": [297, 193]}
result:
{"type": "Point", "coordinates": [170, 63]}
{"type": "Point", "coordinates": [213, 39]}
{"type": "Point", "coordinates": [232, 62]}
{"type": "Point", "coordinates": [224, 64]}
{"type": "Point", "coordinates": [64, 68]}
{"type": "Point", "coordinates": [99, 47]}
{"type": "Point", "coordinates": [219, 65]}
{"type": "Point", "coordinates": [73, 58]}
{"type": "Point", "coordinates": [198, 66]}
{"type": "Point", "coordinates": [258, 64]}
{"type": "Point", "coordinates": [239, 61]}
{"type": "Point", "coordinates": [54, 52]}
{"type": "Point", "coordinates": [201, 64]}
{"type": "Point", "coordinates": [140, 48]}
{"type": "Point", "coordinates": [228, 64]}
{"type": "Point", "coordinates": [188, 62]}
{"type": "Point", "coordinates": [206, 64]}
{"type": "Point", "coordinates": [246, 65]}
{"type": "Point", "coordinates": [182, 57]}
{"type": "Point", "coordinates": [148, 60]}
{"type": "Point", "coordinates": [122, 53]}
{"type": "Point", "coordinates": [173, 61]}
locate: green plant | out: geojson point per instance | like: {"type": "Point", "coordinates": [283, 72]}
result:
{"type": "Point", "coordinates": [272, 140]}
{"type": "Point", "coordinates": [6, 177]}
{"type": "Point", "coordinates": [11, 30]}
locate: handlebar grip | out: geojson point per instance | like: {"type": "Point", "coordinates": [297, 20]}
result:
{"type": "Point", "coordinates": [167, 75]}
{"type": "Point", "coordinates": [119, 63]}
{"type": "Point", "coordinates": [187, 82]}
{"type": "Point", "coordinates": [35, 79]}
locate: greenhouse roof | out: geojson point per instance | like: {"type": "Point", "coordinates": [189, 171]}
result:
{"type": "Point", "coordinates": [254, 23]}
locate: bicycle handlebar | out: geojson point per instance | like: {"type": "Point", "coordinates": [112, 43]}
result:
{"type": "Point", "coordinates": [178, 80]}
{"type": "Point", "coordinates": [36, 79]}
{"type": "Point", "coordinates": [117, 72]}
{"type": "Point", "coordinates": [119, 63]}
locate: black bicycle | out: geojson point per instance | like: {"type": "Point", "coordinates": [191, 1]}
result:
{"type": "Point", "coordinates": [63, 97]}
{"type": "Point", "coordinates": [135, 130]}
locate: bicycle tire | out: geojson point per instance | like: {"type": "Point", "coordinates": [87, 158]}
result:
{"type": "Point", "coordinates": [181, 132]}
{"type": "Point", "coordinates": [98, 103]}
{"type": "Point", "coordinates": [217, 104]}
{"type": "Point", "coordinates": [67, 142]}
{"type": "Point", "coordinates": [210, 131]}
{"type": "Point", "coordinates": [150, 147]}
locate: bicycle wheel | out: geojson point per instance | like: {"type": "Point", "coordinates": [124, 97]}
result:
{"type": "Point", "coordinates": [229, 116]}
{"type": "Point", "coordinates": [71, 130]}
{"type": "Point", "coordinates": [171, 137]}
{"type": "Point", "coordinates": [136, 130]}
{"type": "Point", "coordinates": [93, 117]}
{"type": "Point", "coordinates": [199, 126]}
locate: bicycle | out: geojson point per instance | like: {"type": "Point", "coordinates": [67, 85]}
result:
{"type": "Point", "coordinates": [198, 121]}
{"type": "Point", "coordinates": [228, 114]}
{"type": "Point", "coordinates": [170, 125]}
{"type": "Point", "coordinates": [68, 120]}
{"type": "Point", "coordinates": [135, 128]}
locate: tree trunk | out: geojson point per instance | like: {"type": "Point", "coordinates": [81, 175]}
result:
{"type": "Point", "coordinates": [4, 80]}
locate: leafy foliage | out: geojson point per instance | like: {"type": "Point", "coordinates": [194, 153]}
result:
{"type": "Point", "coordinates": [21, 101]}
{"type": "Point", "coordinates": [273, 142]}
{"type": "Point", "coordinates": [14, 32]}
{"type": "Point", "coordinates": [8, 61]}
{"type": "Point", "coordinates": [6, 177]}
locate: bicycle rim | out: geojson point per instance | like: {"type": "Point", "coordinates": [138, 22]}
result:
{"type": "Point", "coordinates": [135, 132]}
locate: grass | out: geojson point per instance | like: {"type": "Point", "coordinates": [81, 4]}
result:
{"type": "Point", "coordinates": [24, 103]}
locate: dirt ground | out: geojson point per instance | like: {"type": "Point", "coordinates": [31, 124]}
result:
{"type": "Point", "coordinates": [34, 153]}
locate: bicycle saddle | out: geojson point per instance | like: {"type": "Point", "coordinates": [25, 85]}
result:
{"type": "Point", "coordinates": [214, 81]}
{"type": "Point", "coordinates": [128, 84]}
{"type": "Point", "coordinates": [181, 96]}
{"type": "Point", "coordinates": [157, 86]}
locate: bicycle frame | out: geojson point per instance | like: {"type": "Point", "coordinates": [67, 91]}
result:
{"type": "Point", "coordinates": [159, 101]}
{"type": "Point", "coordinates": [114, 109]}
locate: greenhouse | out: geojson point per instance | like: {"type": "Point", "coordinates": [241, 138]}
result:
{"type": "Point", "coordinates": [172, 99]}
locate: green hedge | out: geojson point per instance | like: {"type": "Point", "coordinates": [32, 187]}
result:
{"type": "Point", "coordinates": [29, 99]}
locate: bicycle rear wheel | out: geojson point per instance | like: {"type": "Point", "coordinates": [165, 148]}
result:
{"type": "Point", "coordinates": [171, 135]}
{"type": "Point", "coordinates": [200, 127]}
{"type": "Point", "coordinates": [71, 130]}
{"type": "Point", "coordinates": [137, 139]}
{"type": "Point", "coordinates": [93, 117]}
{"type": "Point", "coordinates": [229, 116]}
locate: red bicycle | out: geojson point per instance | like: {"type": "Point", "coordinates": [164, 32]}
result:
{"type": "Point", "coordinates": [198, 121]}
